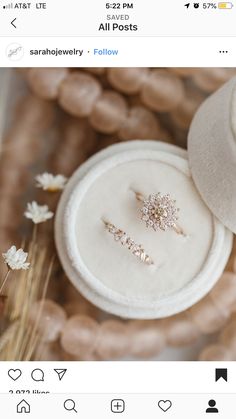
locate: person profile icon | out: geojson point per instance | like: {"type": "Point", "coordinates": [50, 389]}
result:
{"type": "Point", "coordinates": [212, 407]}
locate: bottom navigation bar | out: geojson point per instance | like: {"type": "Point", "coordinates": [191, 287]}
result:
{"type": "Point", "coordinates": [133, 406]}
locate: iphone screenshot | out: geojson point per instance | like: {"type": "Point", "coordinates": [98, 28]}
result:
{"type": "Point", "coordinates": [117, 209]}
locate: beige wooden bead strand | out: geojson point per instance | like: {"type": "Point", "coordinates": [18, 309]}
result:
{"type": "Point", "coordinates": [45, 82]}
{"type": "Point", "coordinates": [177, 331]}
{"type": "Point", "coordinates": [128, 80]}
{"type": "Point", "coordinates": [147, 338]}
{"type": "Point", "coordinates": [48, 318]}
{"type": "Point", "coordinates": [224, 293]}
{"type": "Point", "coordinates": [113, 340]}
{"type": "Point", "coordinates": [185, 72]}
{"type": "Point", "coordinates": [207, 317]}
{"type": "Point", "coordinates": [225, 348]}
{"type": "Point", "coordinates": [140, 123]}
{"type": "Point", "coordinates": [180, 330]}
{"type": "Point", "coordinates": [162, 91]}
{"type": "Point", "coordinates": [78, 94]}
{"type": "Point", "coordinates": [109, 112]}
{"type": "Point", "coordinates": [183, 114]}
{"type": "Point", "coordinates": [159, 89]}
{"type": "Point", "coordinates": [227, 336]}
{"type": "Point", "coordinates": [210, 79]}
{"type": "Point", "coordinates": [79, 336]}
{"type": "Point", "coordinates": [81, 95]}
{"type": "Point", "coordinates": [215, 352]}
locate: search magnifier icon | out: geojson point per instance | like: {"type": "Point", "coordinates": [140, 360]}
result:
{"type": "Point", "coordinates": [69, 405]}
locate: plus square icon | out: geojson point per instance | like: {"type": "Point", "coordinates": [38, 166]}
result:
{"type": "Point", "coordinates": [117, 406]}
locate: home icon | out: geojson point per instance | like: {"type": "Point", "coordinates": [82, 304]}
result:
{"type": "Point", "coordinates": [23, 407]}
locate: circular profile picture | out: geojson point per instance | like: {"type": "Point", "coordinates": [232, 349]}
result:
{"type": "Point", "coordinates": [14, 51]}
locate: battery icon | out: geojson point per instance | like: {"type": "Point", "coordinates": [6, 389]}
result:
{"type": "Point", "coordinates": [225, 5]}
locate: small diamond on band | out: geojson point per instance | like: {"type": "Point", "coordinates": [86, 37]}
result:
{"type": "Point", "coordinates": [136, 249]}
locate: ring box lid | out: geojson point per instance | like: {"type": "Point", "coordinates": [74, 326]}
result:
{"type": "Point", "coordinates": [212, 154]}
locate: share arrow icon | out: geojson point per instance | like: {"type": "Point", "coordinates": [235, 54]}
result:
{"type": "Point", "coordinates": [60, 373]}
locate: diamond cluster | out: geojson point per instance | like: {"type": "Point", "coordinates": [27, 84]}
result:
{"type": "Point", "coordinates": [136, 249]}
{"type": "Point", "coordinates": [160, 212]}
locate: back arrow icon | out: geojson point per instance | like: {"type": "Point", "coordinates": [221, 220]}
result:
{"type": "Point", "coordinates": [12, 22]}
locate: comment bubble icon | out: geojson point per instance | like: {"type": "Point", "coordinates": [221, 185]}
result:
{"type": "Point", "coordinates": [37, 375]}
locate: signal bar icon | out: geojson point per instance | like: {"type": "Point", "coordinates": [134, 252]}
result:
{"type": "Point", "coordinates": [8, 6]}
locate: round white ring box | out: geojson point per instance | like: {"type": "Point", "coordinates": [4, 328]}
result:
{"type": "Point", "coordinates": [108, 274]}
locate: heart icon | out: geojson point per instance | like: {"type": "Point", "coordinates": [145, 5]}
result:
{"type": "Point", "coordinates": [14, 374]}
{"type": "Point", "coordinates": [164, 405]}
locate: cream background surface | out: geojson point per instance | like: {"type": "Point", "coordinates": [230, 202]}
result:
{"type": "Point", "coordinates": [178, 259]}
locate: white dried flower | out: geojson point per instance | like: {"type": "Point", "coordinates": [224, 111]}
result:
{"type": "Point", "coordinates": [16, 259]}
{"type": "Point", "coordinates": [51, 183]}
{"type": "Point", "coordinates": [38, 213]}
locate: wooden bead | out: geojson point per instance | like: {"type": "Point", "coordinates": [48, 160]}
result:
{"type": "Point", "coordinates": [81, 307]}
{"type": "Point", "coordinates": [180, 330]}
{"type": "Point", "coordinates": [228, 336]}
{"type": "Point", "coordinates": [140, 124]}
{"type": "Point", "coordinates": [50, 322]}
{"type": "Point", "coordinates": [109, 112]}
{"type": "Point", "coordinates": [224, 293]}
{"type": "Point", "coordinates": [127, 80]}
{"type": "Point", "coordinates": [215, 352]}
{"type": "Point", "coordinates": [183, 114]}
{"type": "Point", "coordinates": [79, 93]}
{"type": "Point", "coordinates": [48, 352]}
{"type": "Point", "coordinates": [45, 82]}
{"type": "Point", "coordinates": [183, 71]}
{"type": "Point", "coordinates": [79, 336]}
{"type": "Point", "coordinates": [98, 71]}
{"type": "Point", "coordinates": [210, 79]}
{"type": "Point", "coordinates": [162, 91]}
{"type": "Point", "coordinates": [86, 356]}
{"type": "Point", "coordinates": [206, 316]}
{"type": "Point", "coordinates": [113, 341]}
{"type": "Point", "coordinates": [147, 338]}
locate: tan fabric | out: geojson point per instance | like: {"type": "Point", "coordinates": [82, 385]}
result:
{"type": "Point", "coordinates": [212, 154]}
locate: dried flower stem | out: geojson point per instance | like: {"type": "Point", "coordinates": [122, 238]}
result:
{"type": "Point", "coordinates": [34, 235]}
{"type": "Point", "coordinates": [4, 281]}
{"type": "Point", "coordinates": [34, 337]}
{"type": "Point", "coordinates": [19, 340]}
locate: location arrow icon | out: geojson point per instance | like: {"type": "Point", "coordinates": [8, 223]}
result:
{"type": "Point", "coordinates": [187, 5]}
{"type": "Point", "coordinates": [60, 373]}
